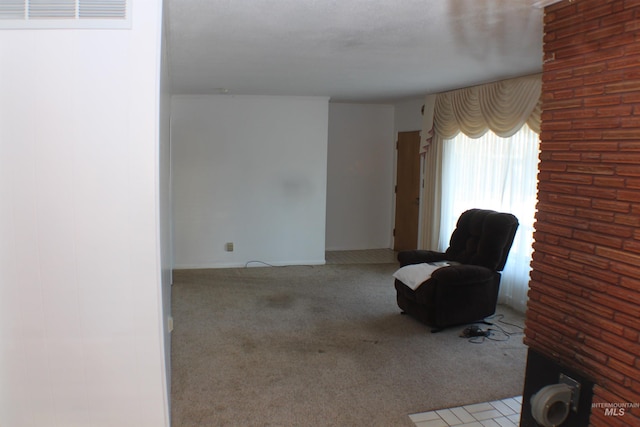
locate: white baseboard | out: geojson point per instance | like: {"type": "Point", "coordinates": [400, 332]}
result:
{"type": "Point", "coordinates": [249, 264]}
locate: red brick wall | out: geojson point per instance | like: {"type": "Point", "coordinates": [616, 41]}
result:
{"type": "Point", "coordinates": [584, 302]}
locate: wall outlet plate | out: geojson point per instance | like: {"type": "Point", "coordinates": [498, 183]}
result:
{"type": "Point", "coordinates": [228, 246]}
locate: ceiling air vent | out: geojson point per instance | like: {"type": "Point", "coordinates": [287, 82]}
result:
{"type": "Point", "coordinates": [53, 14]}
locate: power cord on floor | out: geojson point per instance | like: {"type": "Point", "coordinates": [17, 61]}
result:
{"type": "Point", "coordinates": [259, 262]}
{"type": "Point", "coordinates": [246, 265]}
{"type": "Point", "coordinates": [495, 332]}
{"type": "Point", "coordinates": [500, 317]}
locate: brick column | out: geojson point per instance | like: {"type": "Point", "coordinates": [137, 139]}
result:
{"type": "Point", "coordinates": [584, 301]}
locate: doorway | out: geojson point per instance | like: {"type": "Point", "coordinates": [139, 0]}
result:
{"type": "Point", "coordinates": [405, 232]}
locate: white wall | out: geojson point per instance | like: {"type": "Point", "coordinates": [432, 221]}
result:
{"type": "Point", "coordinates": [360, 176]}
{"type": "Point", "coordinates": [164, 182]}
{"type": "Point", "coordinates": [81, 338]}
{"type": "Point", "coordinates": [249, 170]}
{"type": "Point", "coordinates": [408, 116]}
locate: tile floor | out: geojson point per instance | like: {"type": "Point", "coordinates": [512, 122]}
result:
{"type": "Point", "coordinates": [499, 413]}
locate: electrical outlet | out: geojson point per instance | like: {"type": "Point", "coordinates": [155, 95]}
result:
{"type": "Point", "coordinates": [170, 323]}
{"type": "Point", "coordinates": [228, 247]}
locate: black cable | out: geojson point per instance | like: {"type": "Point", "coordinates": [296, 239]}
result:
{"type": "Point", "coordinates": [476, 340]}
{"type": "Point", "coordinates": [499, 319]}
{"type": "Point", "coordinates": [260, 262]}
{"type": "Point", "coordinates": [490, 333]}
{"type": "Point", "coordinates": [246, 265]}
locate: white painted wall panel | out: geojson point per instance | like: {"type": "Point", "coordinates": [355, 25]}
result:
{"type": "Point", "coordinates": [360, 176]}
{"type": "Point", "coordinates": [164, 176]}
{"type": "Point", "coordinates": [408, 116]}
{"type": "Point", "coordinates": [80, 284]}
{"type": "Point", "coordinates": [249, 170]}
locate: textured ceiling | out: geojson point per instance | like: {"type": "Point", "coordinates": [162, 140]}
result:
{"type": "Point", "coordinates": [349, 50]}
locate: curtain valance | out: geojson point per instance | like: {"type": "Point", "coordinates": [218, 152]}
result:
{"type": "Point", "coordinates": [504, 107]}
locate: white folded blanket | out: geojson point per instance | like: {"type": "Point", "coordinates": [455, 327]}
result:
{"type": "Point", "coordinates": [414, 275]}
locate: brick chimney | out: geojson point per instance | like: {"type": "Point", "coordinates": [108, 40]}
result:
{"type": "Point", "coordinates": [584, 298]}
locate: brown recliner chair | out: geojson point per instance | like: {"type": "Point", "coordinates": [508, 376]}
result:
{"type": "Point", "coordinates": [464, 288]}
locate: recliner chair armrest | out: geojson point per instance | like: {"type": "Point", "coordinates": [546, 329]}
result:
{"type": "Point", "coordinates": [453, 279]}
{"type": "Point", "coordinates": [459, 294]}
{"type": "Point", "coordinates": [462, 274]}
{"type": "Point", "coordinates": [419, 256]}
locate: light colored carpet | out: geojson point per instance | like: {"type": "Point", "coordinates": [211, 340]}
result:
{"type": "Point", "coordinates": [367, 256]}
{"type": "Point", "coordinates": [321, 346]}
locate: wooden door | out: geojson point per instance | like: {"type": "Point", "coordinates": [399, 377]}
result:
{"type": "Point", "coordinates": [407, 191]}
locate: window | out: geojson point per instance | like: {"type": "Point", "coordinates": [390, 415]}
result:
{"type": "Point", "coordinates": [496, 173]}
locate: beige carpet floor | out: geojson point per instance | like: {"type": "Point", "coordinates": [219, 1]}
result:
{"type": "Point", "coordinates": [322, 346]}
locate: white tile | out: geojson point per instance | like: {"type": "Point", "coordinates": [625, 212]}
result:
{"type": "Point", "coordinates": [497, 413]}
{"type": "Point", "coordinates": [449, 417]}
{"type": "Point", "coordinates": [515, 418]}
{"type": "Point", "coordinates": [505, 422]}
{"type": "Point", "coordinates": [424, 416]}
{"type": "Point", "coordinates": [433, 423]}
{"type": "Point", "coordinates": [462, 413]}
{"type": "Point", "coordinates": [503, 407]}
{"type": "Point", "coordinates": [478, 407]}
{"type": "Point", "coordinates": [485, 415]}
{"type": "Point", "coordinates": [513, 403]}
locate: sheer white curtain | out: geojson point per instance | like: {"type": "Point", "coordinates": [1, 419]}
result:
{"type": "Point", "coordinates": [494, 173]}
{"type": "Point", "coordinates": [497, 170]}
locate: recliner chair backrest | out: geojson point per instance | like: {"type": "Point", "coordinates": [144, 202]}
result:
{"type": "Point", "coordinates": [483, 237]}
